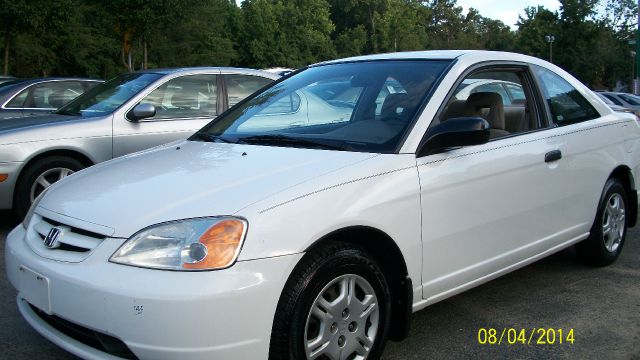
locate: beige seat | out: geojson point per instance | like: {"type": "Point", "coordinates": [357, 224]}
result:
{"type": "Point", "coordinates": [489, 106]}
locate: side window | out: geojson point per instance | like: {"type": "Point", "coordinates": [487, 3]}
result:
{"type": "Point", "coordinates": [484, 94]}
{"type": "Point", "coordinates": [188, 96]}
{"type": "Point", "coordinates": [241, 86]}
{"type": "Point", "coordinates": [517, 93]}
{"type": "Point", "coordinates": [52, 95]}
{"type": "Point", "coordinates": [495, 88]}
{"type": "Point", "coordinates": [18, 101]}
{"type": "Point", "coordinates": [90, 84]}
{"type": "Point", "coordinates": [566, 103]}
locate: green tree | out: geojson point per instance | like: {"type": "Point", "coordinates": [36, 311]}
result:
{"type": "Point", "coordinates": [29, 17]}
{"type": "Point", "coordinates": [203, 37]}
{"type": "Point", "coordinates": [537, 23]}
{"type": "Point", "coordinates": [285, 33]}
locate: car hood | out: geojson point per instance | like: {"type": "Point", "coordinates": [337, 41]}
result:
{"type": "Point", "coordinates": [187, 179]}
{"type": "Point", "coordinates": [13, 123]}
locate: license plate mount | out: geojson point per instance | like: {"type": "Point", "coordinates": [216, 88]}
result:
{"type": "Point", "coordinates": [35, 289]}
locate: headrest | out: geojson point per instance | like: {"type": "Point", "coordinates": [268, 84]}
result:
{"type": "Point", "coordinates": [395, 105]}
{"type": "Point", "coordinates": [487, 105]}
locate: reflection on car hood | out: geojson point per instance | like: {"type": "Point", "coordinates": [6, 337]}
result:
{"type": "Point", "coordinates": [15, 123]}
{"type": "Point", "coordinates": [186, 180]}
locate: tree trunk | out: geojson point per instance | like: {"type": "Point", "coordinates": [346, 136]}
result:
{"type": "Point", "coordinates": [145, 63]}
{"type": "Point", "coordinates": [374, 43]}
{"type": "Point", "coordinates": [6, 54]}
{"type": "Point", "coordinates": [124, 61]}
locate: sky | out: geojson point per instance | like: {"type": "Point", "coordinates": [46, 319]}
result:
{"type": "Point", "coordinates": [506, 10]}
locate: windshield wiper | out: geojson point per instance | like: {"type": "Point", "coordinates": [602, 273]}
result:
{"type": "Point", "coordinates": [205, 136]}
{"type": "Point", "coordinates": [283, 140]}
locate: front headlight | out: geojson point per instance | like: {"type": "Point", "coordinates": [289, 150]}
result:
{"type": "Point", "coordinates": [193, 244]}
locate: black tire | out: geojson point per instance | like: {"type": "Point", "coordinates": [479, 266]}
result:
{"type": "Point", "coordinates": [594, 250]}
{"type": "Point", "coordinates": [22, 193]}
{"type": "Point", "coordinates": [315, 271]}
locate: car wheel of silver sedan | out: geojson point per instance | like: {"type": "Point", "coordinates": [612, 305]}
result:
{"type": "Point", "coordinates": [604, 244]}
{"type": "Point", "coordinates": [336, 306]}
{"type": "Point", "coordinates": [38, 176]}
{"type": "Point", "coordinates": [46, 179]}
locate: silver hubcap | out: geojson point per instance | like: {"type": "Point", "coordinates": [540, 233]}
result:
{"type": "Point", "coordinates": [46, 179]}
{"type": "Point", "coordinates": [613, 222]}
{"type": "Point", "coordinates": [343, 320]}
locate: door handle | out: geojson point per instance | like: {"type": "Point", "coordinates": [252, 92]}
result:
{"type": "Point", "coordinates": [552, 156]}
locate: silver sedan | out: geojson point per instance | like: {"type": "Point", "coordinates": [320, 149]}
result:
{"type": "Point", "coordinates": [129, 113]}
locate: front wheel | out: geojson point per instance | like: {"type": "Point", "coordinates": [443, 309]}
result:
{"type": "Point", "coordinates": [39, 176]}
{"type": "Point", "coordinates": [609, 230]}
{"type": "Point", "coordinates": [335, 305]}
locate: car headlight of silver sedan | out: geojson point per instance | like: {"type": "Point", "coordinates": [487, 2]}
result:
{"type": "Point", "coordinates": [190, 245]}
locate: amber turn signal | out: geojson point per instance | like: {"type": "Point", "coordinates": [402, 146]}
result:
{"type": "Point", "coordinates": [222, 242]}
{"type": "Point", "coordinates": [3, 177]}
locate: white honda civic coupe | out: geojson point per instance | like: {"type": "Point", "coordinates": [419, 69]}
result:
{"type": "Point", "coordinates": [318, 239]}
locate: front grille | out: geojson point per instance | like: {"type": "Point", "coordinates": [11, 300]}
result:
{"type": "Point", "coordinates": [75, 229]}
{"type": "Point", "coordinates": [73, 246]}
{"type": "Point", "coordinates": [97, 340]}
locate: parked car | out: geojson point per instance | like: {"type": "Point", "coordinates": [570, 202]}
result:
{"type": "Point", "coordinates": [318, 240]}
{"type": "Point", "coordinates": [29, 97]}
{"type": "Point", "coordinates": [129, 113]}
{"type": "Point", "coordinates": [622, 99]}
{"type": "Point", "coordinates": [280, 71]}
{"type": "Point", "coordinates": [615, 107]}
{"type": "Point", "coordinates": [4, 79]}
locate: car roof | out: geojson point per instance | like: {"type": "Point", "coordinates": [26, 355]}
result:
{"type": "Point", "coordinates": [38, 80]}
{"type": "Point", "coordinates": [204, 69]}
{"type": "Point", "coordinates": [470, 55]}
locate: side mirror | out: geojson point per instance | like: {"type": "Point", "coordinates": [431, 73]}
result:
{"type": "Point", "coordinates": [141, 111]}
{"type": "Point", "coordinates": [456, 132]}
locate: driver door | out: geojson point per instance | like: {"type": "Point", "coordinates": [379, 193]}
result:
{"type": "Point", "coordinates": [489, 207]}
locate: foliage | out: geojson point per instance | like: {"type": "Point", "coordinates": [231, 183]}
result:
{"type": "Point", "coordinates": [102, 38]}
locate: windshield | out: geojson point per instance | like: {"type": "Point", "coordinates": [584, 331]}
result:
{"type": "Point", "coordinates": [109, 96]}
{"type": "Point", "coordinates": [363, 106]}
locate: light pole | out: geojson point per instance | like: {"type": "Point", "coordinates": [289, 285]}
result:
{"type": "Point", "coordinates": [633, 68]}
{"type": "Point", "coordinates": [636, 81]}
{"type": "Point", "coordinates": [550, 39]}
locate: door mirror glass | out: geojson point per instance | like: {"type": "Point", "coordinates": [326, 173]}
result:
{"type": "Point", "coordinates": [456, 132]}
{"type": "Point", "coordinates": [142, 111]}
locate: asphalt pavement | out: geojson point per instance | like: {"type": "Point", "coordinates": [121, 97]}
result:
{"type": "Point", "coordinates": [600, 305]}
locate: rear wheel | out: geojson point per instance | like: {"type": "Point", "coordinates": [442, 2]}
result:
{"type": "Point", "coordinates": [336, 305]}
{"type": "Point", "coordinates": [609, 230]}
{"type": "Point", "coordinates": [39, 176]}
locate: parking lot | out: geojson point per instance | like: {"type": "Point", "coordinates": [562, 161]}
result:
{"type": "Point", "coordinates": [601, 305]}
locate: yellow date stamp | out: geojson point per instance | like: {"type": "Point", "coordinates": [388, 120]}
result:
{"type": "Point", "coordinates": [522, 336]}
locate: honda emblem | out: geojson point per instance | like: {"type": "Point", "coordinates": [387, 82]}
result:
{"type": "Point", "coordinates": [51, 240]}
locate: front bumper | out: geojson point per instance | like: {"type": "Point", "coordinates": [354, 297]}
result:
{"type": "Point", "coordinates": [7, 187]}
{"type": "Point", "coordinates": [224, 314]}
